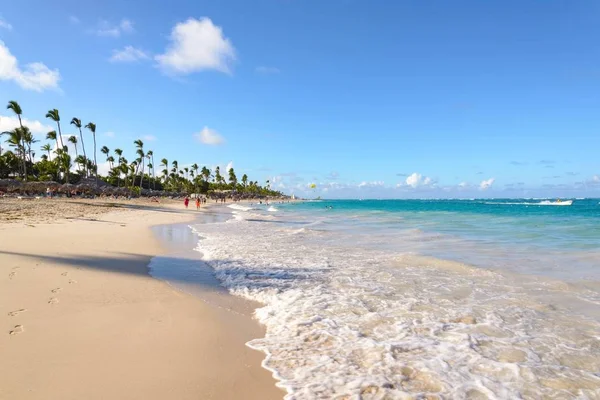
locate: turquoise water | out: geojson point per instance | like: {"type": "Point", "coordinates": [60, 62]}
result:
{"type": "Point", "coordinates": [407, 299]}
{"type": "Point", "coordinates": [522, 235]}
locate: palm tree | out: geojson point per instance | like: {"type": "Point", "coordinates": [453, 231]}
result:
{"type": "Point", "coordinates": [77, 123]}
{"type": "Point", "coordinates": [245, 180]}
{"type": "Point", "coordinates": [54, 116]}
{"type": "Point", "coordinates": [15, 139]}
{"type": "Point", "coordinates": [218, 175]}
{"type": "Point", "coordinates": [16, 108]}
{"type": "Point", "coordinates": [73, 139]}
{"type": "Point", "coordinates": [28, 140]}
{"type": "Point", "coordinates": [47, 148]}
{"type": "Point", "coordinates": [195, 171]}
{"type": "Point", "coordinates": [110, 160]}
{"type": "Point", "coordinates": [92, 127]}
{"type": "Point", "coordinates": [165, 163]}
{"type": "Point", "coordinates": [81, 161]}
{"type": "Point", "coordinates": [232, 178]}
{"type": "Point", "coordinates": [140, 152]}
{"type": "Point", "coordinates": [205, 173]}
{"type": "Point", "coordinates": [187, 171]}
{"type": "Point", "coordinates": [174, 171]}
{"type": "Point", "coordinates": [119, 153]}
{"type": "Point", "coordinates": [150, 155]}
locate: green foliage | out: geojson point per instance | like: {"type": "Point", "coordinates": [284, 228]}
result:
{"type": "Point", "coordinates": [56, 165]}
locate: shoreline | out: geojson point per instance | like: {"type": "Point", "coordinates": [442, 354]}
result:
{"type": "Point", "coordinates": [89, 321]}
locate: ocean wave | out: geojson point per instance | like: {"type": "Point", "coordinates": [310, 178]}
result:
{"type": "Point", "coordinates": [240, 207]}
{"type": "Point", "coordinates": [526, 203]}
{"type": "Point", "coordinates": [348, 321]}
{"type": "Point", "coordinates": [272, 209]}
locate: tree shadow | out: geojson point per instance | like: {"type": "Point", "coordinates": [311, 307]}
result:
{"type": "Point", "coordinates": [188, 269]}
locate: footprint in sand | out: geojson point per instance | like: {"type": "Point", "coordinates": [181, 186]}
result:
{"type": "Point", "coordinates": [16, 330]}
{"type": "Point", "coordinates": [56, 290]}
{"type": "Point", "coordinates": [53, 300]}
{"type": "Point", "coordinates": [16, 312]}
{"type": "Point", "coordinates": [65, 274]}
{"type": "Point", "coordinates": [72, 281]}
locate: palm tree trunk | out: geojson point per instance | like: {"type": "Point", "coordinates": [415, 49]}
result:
{"type": "Point", "coordinates": [142, 177]}
{"type": "Point", "coordinates": [85, 171]}
{"type": "Point", "coordinates": [24, 158]}
{"type": "Point", "coordinates": [153, 177]}
{"type": "Point", "coordinates": [95, 163]}
{"type": "Point", "coordinates": [62, 147]}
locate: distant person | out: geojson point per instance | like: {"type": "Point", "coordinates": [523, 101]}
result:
{"type": "Point", "coordinates": [186, 201]}
{"type": "Point", "coordinates": [197, 203]}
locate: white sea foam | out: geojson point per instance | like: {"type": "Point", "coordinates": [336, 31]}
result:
{"type": "Point", "coordinates": [240, 207]}
{"type": "Point", "coordinates": [348, 320]}
{"type": "Point", "coordinates": [272, 209]}
{"type": "Point", "coordinates": [538, 203]}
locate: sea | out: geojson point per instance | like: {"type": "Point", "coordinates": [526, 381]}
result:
{"type": "Point", "coordinates": [418, 299]}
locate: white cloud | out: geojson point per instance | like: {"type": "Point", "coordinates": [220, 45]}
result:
{"type": "Point", "coordinates": [109, 134]}
{"type": "Point", "coordinates": [107, 29]}
{"type": "Point", "coordinates": [370, 184]}
{"type": "Point", "coordinates": [197, 45]}
{"type": "Point", "coordinates": [8, 123]}
{"type": "Point", "coordinates": [486, 184]}
{"type": "Point", "coordinates": [415, 180]}
{"type": "Point", "coordinates": [126, 26]}
{"type": "Point", "coordinates": [463, 185]}
{"type": "Point", "coordinates": [209, 136]}
{"type": "Point", "coordinates": [267, 70]}
{"type": "Point", "coordinates": [74, 20]}
{"type": "Point", "coordinates": [150, 138]}
{"type": "Point", "coordinates": [128, 54]}
{"type": "Point", "coordinates": [5, 25]}
{"type": "Point", "coordinates": [35, 76]}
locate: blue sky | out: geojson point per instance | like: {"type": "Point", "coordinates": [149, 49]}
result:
{"type": "Point", "coordinates": [363, 98]}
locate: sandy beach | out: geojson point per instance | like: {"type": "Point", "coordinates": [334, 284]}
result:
{"type": "Point", "coordinates": [80, 317]}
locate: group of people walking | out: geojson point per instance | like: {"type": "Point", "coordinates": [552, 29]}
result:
{"type": "Point", "coordinates": [199, 201]}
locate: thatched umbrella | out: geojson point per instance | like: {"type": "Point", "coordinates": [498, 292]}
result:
{"type": "Point", "coordinates": [9, 183]}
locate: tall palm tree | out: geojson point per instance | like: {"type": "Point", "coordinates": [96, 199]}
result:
{"type": "Point", "coordinates": [195, 171]}
{"type": "Point", "coordinates": [110, 160]}
{"type": "Point", "coordinates": [232, 178]}
{"type": "Point", "coordinates": [165, 163]}
{"type": "Point", "coordinates": [140, 152]}
{"type": "Point", "coordinates": [15, 139]}
{"type": "Point", "coordinates": [175, 177]}
{"type": "Point", "coordinates": [16, 108]}
{"type": "Point", "coordinates": [205, 173]}
{"type": "Point", "coordinates": [77, 123]}
{"type": "Point", "coordinates": [55, 116]}
{"type": "Point", "coordinates": [150, 156]}
{"type": "Point", "coordinates": [217, 174]}
{"type": "Point", "coordinates": [28, 140]}
{"type": "Point", "coordinates": [245, 180]}
{"type": "Point", "coordinates": [81, 161]}
{"type": "Point", "coordinates": [47, 148]}
{"type": "Point", "coordinates": [73, 139]}
{"type": "Point", "coordinates": [92, 127]}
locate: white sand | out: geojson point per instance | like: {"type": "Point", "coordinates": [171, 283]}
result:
{"type": "Point", "coordinates": [88, 322]}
